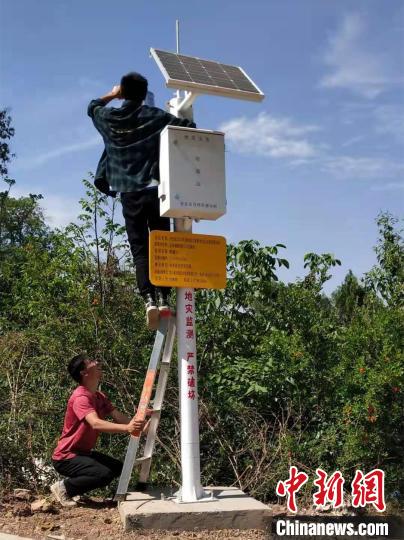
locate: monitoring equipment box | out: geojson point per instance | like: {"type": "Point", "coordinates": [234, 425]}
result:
{"type": "Point", "coordinates": [192, 173]}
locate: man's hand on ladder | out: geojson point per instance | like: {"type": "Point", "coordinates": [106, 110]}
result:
{"type": "Point", "coordinates": [139, 424]}
{"type": "Point", "coordinates": [136, 426]}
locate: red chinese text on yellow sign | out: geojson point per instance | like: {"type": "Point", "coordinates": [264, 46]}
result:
{"type": "Point", "coordinates": [179, 259]}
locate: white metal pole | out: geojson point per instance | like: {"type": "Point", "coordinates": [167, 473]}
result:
{"type": "Point", "coordinates": [191, 488]}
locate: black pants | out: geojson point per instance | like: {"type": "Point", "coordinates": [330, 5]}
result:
{"type": "Point", "coordinates": [141, 211]}
{"type": "Point", "coordinates": [85, 473]}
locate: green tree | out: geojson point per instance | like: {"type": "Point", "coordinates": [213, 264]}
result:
{"type": "Point", "coordinates": [387, 278]}
{"type": "Point", "coordinates": [348, 297]}
{"type": "Point", "coordinates": [318, 266]}
{"type": "Point", "coordinates": [21, 221]}
{"type": "Point", "coordinates": [6, 133]}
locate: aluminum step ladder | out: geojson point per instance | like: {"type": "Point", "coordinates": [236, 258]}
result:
{"type": "Point", "coordinates": [160, 361]}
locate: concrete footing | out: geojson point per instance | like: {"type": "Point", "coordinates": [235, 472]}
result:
{"type": "Point", "coordinates": [157, 509]}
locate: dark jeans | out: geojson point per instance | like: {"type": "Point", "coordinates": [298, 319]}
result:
{"type": "Point", "coordinates": [141, 210]}
{"type": "Point", "coordinates": [85, 473]}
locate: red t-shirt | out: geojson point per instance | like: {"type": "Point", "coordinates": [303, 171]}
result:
{"type": "Point", "coordinates": [78, 437]}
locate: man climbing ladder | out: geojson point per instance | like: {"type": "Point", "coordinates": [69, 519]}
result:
{"type": "Point", "coordinates": [130, 165]}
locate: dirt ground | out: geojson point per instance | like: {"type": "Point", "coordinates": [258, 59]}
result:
{"type": "Point", "coordinates": [93, 519]}
{"type": "Point", "coordinates": [96, 518]}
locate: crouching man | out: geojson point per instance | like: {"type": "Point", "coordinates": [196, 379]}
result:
{"type": "Point", "coordinates": [74, 457]}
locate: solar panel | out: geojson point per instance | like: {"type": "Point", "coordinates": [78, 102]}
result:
{"type": "Point", "coordinates": [205, 76]}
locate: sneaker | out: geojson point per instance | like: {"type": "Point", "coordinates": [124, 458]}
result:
{"type": "Point", "coordinates": [59, 492]}
{"type": "Point", "coordinates": [163, 302]}
{"type": "Point", "coordinates": [82, 499]}
{"type": "Point", "coordinates": [152, 312]}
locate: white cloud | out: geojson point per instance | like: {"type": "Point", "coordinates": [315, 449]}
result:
{"type": "Point", "coordinates": [273, 137]}
{"type": "Point", "coordinates": [354, 65]}
{"type": "Point", "coordinates": [40, 159]}
{"type": "Point", "coordinates": [362, 167]}
{"type": "Point", "coordinates": [266, 135]}
{"type": "Point", "coordinates": [59, 210]}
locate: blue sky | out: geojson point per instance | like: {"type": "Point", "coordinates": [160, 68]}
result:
{"type": "Point", "coordinates": [311, 166]}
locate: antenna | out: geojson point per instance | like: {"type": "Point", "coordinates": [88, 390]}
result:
{"type": "Point", "coordinates": [177, 31]}
{"type": "Point", "coordinates": [177, 34]}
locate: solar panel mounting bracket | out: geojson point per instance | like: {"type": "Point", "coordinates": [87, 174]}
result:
{"type": "Point", "coordinates": [182, 106]}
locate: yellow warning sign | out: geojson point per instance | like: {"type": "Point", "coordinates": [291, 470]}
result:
{"type": "Point", "coordinates": [179, 259]}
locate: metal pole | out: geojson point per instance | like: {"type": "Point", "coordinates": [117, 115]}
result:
{"type": "Point", "coordinates": [191, 488]}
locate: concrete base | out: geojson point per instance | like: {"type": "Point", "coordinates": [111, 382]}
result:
{"type": "Point", "coordinates": [157, 509]}
{"type": "Point", "coordinates": [4, 536]}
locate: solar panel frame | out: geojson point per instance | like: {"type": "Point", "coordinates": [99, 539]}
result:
{"type": "Point", "coordinates": [181, 78]}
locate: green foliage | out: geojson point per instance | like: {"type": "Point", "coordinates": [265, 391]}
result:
{"type": "Point", "coordinates": [21, 220]}
{"type": "Point", "coordinates": [319, 265]}
{"type": "Point", "coordinates": [349, 297]}
{"type": "Point", "coordinates": [6, 133]}
{"type": "Point", "coordinates": [286, 375]}
{"type": "Point", "coordinates": [370, 378]}
{"type": "Point", "coordinates": [296, 359]}
{"type": "Point", "coordinates": [51, 307]}
{"type": "Point", "coordinates": [387, 277]}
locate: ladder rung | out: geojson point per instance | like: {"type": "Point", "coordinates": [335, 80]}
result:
{"type": "Point", "coordinates": [142, 459]}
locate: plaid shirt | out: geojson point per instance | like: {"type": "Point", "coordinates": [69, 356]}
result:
{"type": "Point", "coordinates": [131, 136]}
